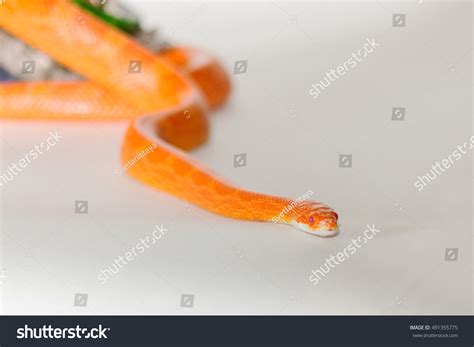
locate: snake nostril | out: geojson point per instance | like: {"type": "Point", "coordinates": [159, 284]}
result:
{"type": "Point", "coordinates": [336, 215]}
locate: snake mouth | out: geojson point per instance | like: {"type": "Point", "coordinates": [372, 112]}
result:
{"type": "Point", "coordinates": [324, 230]}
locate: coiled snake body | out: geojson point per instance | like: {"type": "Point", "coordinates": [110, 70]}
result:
{"type": "Point", "coordinates": [167, 102]}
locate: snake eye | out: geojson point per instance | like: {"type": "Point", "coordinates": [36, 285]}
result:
{"type": "Point", "coordinates": [311, 220]}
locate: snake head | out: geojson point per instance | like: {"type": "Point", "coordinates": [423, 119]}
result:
{"type": "Point", "coordinates": [314, 218]}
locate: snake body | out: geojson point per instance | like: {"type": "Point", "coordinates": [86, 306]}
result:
{"type": "Point", "coordinates": [166, 100]}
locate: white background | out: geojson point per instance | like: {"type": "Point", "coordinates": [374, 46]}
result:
{"type": "Point", "coordinates": [293, 143]}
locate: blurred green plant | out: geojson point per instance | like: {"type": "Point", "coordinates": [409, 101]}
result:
{"type": "Point", "coordinates": [127, 25]}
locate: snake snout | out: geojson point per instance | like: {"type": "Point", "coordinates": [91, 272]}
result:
{"type": "Point", "coordinates": [316, 218]}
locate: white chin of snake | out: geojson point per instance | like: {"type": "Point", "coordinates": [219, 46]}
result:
{"type": "Point", "coordinates": [322, 231]}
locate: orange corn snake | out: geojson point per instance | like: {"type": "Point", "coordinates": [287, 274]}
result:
{"type": "Point", "coordinates": [166, 101]}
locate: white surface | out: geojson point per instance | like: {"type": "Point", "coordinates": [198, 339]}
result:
{"type": "Point", "coordinates": [293, 144]}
